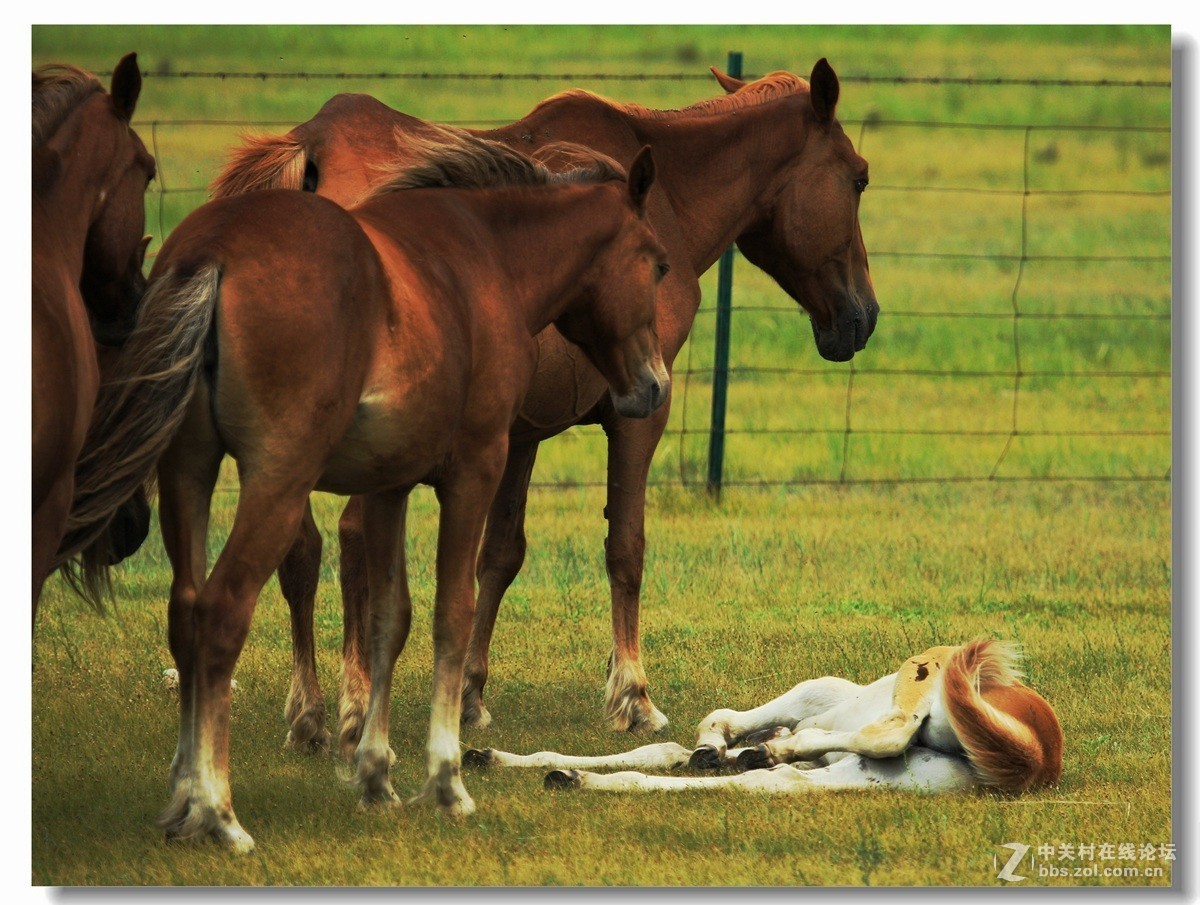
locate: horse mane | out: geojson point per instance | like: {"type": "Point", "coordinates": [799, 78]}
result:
{"type": "Point", "coordinates": [755, 94]}
{"type": "Point", "coordinates": [456, 158]}
{"type": "Point", "coordinates": [57, 90]}
{"type": "Point", "coordinates": [263, 162]}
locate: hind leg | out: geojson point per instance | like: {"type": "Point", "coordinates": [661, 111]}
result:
{"type": "Point", "coordinates": [298, 575]}
{"type": "Point", "coordinates": [264, 527]}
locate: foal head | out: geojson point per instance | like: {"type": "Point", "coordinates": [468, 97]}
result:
{"type": "Point", "coordinates": [806, 234]}
{"type": "Point", "coordinates": [616, 329]}
{"type": "Point", "coordinates": [78, 128]}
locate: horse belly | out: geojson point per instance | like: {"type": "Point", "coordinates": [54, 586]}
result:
{"type": "Point", "coordinates": [394, 440]}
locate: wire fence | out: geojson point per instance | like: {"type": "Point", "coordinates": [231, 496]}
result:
{"type": "Point", "coordinates": [1117, 415]}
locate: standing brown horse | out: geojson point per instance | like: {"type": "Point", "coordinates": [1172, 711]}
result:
{"type": "Point", "coordinates": [421, 308]}
{"type": "Point", "coordinates": [90, 172]}
{"type": "Point", "coordinates": [767, 166]}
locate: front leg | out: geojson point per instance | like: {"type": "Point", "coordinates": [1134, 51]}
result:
{"type": "Point", "coordinates": [631, 445]}
{"type": "Point", "coordinates": [390, 609]}
{"type": "Point", "coordinates": [298, 574]}
{"type": "Point", "coordinates": [465, 495]}
{"type": "Point", "coordinates": [500, 560]}
{"type": "Point", "coordinates": [722, 728]}
{"type": "Point", "coordinates": [660, 756]}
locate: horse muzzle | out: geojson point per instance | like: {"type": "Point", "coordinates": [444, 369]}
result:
{"type": "Point", "coordinates": [849, 333]}
{"type": "Point", "coordinates": [652, 389]}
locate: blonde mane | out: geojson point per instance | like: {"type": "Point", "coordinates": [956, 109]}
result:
{"type": "Point", "coordinates": [455, 158]}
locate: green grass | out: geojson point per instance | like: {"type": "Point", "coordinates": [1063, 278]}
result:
{"type": "Point", "coordinates": [744, 598]}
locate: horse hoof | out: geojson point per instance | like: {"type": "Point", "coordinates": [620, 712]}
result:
{"type": "Point", "coordinates": [313, 744]}
{"type": "Point", "coordinates": [706, 757]}
{"type": "Point", "coordinates": [757, 758]}
{"type": "Point", "coordinates": [473, 757]}
{"type": "Point", "coordinates": [563, 779]}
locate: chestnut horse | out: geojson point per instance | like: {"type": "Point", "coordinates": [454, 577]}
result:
{"type": "Point", "coordinates": [420, 308]}
{"type": "Point", "coordinates": [767, 166]}
{"type": "Point", "coordinates": [90, 172]}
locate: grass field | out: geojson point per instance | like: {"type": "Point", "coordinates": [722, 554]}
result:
{"type": "Point", "coordinates": [746, 597]}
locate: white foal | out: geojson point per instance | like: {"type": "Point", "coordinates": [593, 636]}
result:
{"type": "Point", "coordinates": [950, 719]}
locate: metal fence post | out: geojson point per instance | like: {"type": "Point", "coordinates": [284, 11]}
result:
{"type": "Point", "coordinates": [716, 429]}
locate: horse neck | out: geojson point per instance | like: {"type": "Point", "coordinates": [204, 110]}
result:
{"type": "Point", "coordinates": [716, 169]}
{"type": "Point", "coordinates": [70, 197]}
{"type": "Point", "coordinates": [557, 235]}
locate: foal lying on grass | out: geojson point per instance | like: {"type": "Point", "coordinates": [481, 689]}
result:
{"type": "Point", "coordinates": [950, 719]}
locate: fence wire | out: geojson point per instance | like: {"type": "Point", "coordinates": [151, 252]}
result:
{"type": "Point", "coordinates": [1020, 257]}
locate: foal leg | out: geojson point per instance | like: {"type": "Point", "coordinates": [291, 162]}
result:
{"type": "Point", "coordinates": [187, 474]}
{"type": "Point", "coordinates": [356, 665]}
{"type": "Point", "coordinates": [631, 445]}
{"type": "Point", "coordinates": [500, 559]}
{"type": "Point", "coordinates": [660, 756]}
{"type": "Point", "coordinates": [390, 610]}
{"type": "Point", "coordinates": [298, 575]}
{"type": "Point", "coordinates": [722, 728]}
{"type": "Point", "coordinates": [920, 770]}
{"type": "Point", "coordinates": [465, 498]}
{"type": "Point", "coordinates": [263, 529]}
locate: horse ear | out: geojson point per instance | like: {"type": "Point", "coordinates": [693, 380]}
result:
{"type": "Point", "coordinates": [641, 177]}
{"type": "Point", "coordinates": [823, 90]}
{"type": "Point", "coordinates": [126, 86]}
{"type": "Point", "coordinates": [728, 82]}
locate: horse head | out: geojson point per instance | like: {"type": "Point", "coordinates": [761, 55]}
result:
{"type": "Point", "coordinates": [806, 234]}
{"type": "Point", "coordinates": [113, 283]}
{"type": "Point", "coordinates": [617, 331]}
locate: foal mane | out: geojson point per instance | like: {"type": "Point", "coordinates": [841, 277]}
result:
{"type": "Point", "coordinates": [57, 90]}
{"type": "Point", "coordinates": [455, 158]}
{"type": "Point", "coordinates": [755, 94]}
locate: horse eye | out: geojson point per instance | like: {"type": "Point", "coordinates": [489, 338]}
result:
{"type": "Point", "coordinates": [662, 269]}
{"type": "Point", "coordinates": [860, 185]}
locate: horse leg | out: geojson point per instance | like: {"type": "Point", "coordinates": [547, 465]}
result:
{"type": "Point", "coordinates": [49, 524]}
{"type": "Point", "coordinates": [390, 610]}
{"type": "Point", "coordinates": [659, 756]}
{"type": "Point", "coordinates": [465, 498]}
{"type": "Point", "coordinates": [356, 667]}
{"type": "Point", "coordinates": [264, 527]}
{"type": "Point", "coordinates": [724, 727]}
{"type": "Point", "coordinates": [782, 779]}
{"type": "Point", "coordinates": [631, 445]}
{"type": "Point", "coordinates": [298, 576]}
{"type": "Point", "coordinates": [187, 474]}
{"type": "Point", "coordinates": [500, 559]}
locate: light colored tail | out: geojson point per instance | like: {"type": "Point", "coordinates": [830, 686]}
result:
{"type": "Point", "coordinates": [262, 162]}
{"type": "Point", "coordinates": [138, 411]}
{"type": "Point", "coordinates": [1009, 732]}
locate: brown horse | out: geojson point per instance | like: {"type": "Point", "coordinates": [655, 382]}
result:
{"type": "Point", "coordinates": [767, 166]}
{"type": "Point", "coordinates": [90, 172]}
{"type": "Point", "coordinates": [421, 307]}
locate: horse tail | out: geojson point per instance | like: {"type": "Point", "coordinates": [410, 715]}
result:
{"type": "Point", "coordinates": [263, 162]}
{"type": "Point", "coordinates": [1009, 732]}
{"type": "Point", "coordinates": [138, 411]}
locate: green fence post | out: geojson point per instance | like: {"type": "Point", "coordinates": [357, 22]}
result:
{"type": "Point", "coordinates": [716, 429]}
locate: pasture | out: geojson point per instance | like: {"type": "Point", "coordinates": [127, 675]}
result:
{"type": "Point", "coordinates": [742, 598]}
